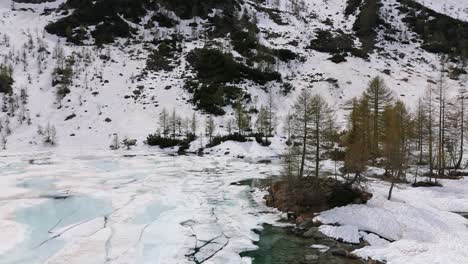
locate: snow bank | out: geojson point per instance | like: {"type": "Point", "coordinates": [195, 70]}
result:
{"type": "Point", "coordinates": [417, 221]}
{"type": "Point", "coordinates": [347, 233]}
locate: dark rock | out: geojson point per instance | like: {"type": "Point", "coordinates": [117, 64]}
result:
{"type": "Point", "coordinates": [70, 117]}
{"type": "Point", "coordinates": [343, 253]}
{"type": "Point", "coordinates": [310, 259]}
{"type": "Point", "coordinates": [108, 120]}
{"type": "Point", "coordinates": [426, 184]}
{"type": "Point", "coordinates": [311, 232]}
{"type": "Point", "coordinates": [306, 225]}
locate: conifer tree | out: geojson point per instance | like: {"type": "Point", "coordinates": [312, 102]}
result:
{"type": "Point", "coordinates": [322, 122]}
{"type": "Point", "coordinates": [163, 122]}
{"type": "Point", "coordinates": [301, 122]}
{"type": "Point", "coordinates": [397, 125]}
{"type": "Point", "coordinates": [242, 119]}
{"type": "Point", "coordinates": [430, 123]}
{"type": "Point", "coordinates": [441, 100]}
{"type": "Point", "coordinates": [210, 128]}
{"type": "Point", "coordinates": [420, 122]}
{"type": "Point", "coordinates": [173, 123]}
{"type": "Point", "coordinates": [262, 122]}
{"type": "Point", "coordinates": [194, 124]}
{"type": "Point", "coordinates": [288, 126]}
{"type": "Point", "coordinates": [356, 142]}
{"type": "Point", "coordinates": [271, 115]}
{"type": "Point", "coordinates": [378, 96]}
{"type": "Point", "coordinates": [309, 124]}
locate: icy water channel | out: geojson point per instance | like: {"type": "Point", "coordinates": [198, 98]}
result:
{"type": "Point", "coordinates": [114, 208]}
{"type": "Point", "coordinates": [277, 245]}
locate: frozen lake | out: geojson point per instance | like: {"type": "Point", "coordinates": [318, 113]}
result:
{"type": "Point", "coordinates": [109, 207]}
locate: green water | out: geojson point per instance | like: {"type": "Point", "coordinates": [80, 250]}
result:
{"type": "Point", "coordinates": [277, 245]}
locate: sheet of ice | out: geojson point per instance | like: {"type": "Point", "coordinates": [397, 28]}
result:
{"type": "Point", "coordinates": [13, 232]}
{"type": "Point", "coordinates": [147, 208]}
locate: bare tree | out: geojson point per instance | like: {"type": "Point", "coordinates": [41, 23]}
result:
{"type": "Point", "coordinates": [210, 128]}
{"type": "Point", "coordinates": [163, 122]}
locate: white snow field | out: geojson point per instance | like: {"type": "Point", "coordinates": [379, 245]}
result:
{"type": "Point", "coordinates": [454, 8]}
{"type": "Point", "coordinates": [94, 99]}
{"type": "Point", "coordinates": [418, 226]}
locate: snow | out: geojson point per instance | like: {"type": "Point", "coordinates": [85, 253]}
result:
{"type": "Point", "coordinates": [455, 8]}
{"type": "Point", "coordinates": [321, 248]}
{"type": "Point", "coordinates": [347, 233]}
{"type": "Point", "coordinates": [250, 149]}
{"type": "Point", "coordinates": [14, 233]}
{"type": "Point", "coordinates": [147, 208]}
{"type": "Point", "coordinates": [374, 239]}
{"type": "Point", "coordinates": [154, 207]}
{"type": "Point", "coordinates": [418, 222]}
{"type": "Point", "coordinates": [131, 119]}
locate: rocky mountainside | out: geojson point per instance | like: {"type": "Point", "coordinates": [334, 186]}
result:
{"type": "Point", "coordinates": [84, 70]}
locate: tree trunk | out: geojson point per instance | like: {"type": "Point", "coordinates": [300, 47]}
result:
{"type": "Point", "coordinates": [356, 176]}
{"type": "Point", "coordinates": [462, 130]}
{"type": "Point", "coordinates": [303, 154]}
{"type": "Point", "coordinates": [391, 189]}
{"type": "Point", "coordinates": [375, 143]}
{"type": "Point", "coordinates": [317, 145]}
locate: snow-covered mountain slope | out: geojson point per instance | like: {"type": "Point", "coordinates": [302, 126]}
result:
{"type": "Point", "coordinates": [454, 8]}
{"type": "Point", "coordinates": [112, 92]}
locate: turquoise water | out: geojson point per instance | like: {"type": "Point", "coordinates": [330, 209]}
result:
{"type": "Point", "coordinates": [48, 217]}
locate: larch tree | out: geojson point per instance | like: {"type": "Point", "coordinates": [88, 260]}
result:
{"type": "Point", "coordinates": [420, 121]}
{"type": "Point", "coordinates": [455, 130]}
{"type": "Point", "coordinates": [301, 122]}
{"type": "Point", "coordinates": [210, 128]}
{"type": "Point", "coordinates": [322, 122]}
{"type": "Point", "coordinates": [173, 123]}
{"type": "Point", "coordinates": [287, 128]}
{"type": "Point", "coordinates": [291, 164]}
{"type": "Point", "coordinates": [271, 115]}
{"type": "Point", "coordinates": [378, 96]}
{"type": "Point", "coordinates": [194, 124]}
{"type": "Point", "coordinates": [356, 142]}
{"type": "Point", "coordinates": [429, 109]}
{"type": "Point", "coordinates": [441, 103]}
{"type": "Point", "coordinates": [261, 123]}
{"type": "Point", "coordinates": [461, 115]}
{"type": "Point", "coordinates": [163, 122]}
{"type": "Point", "coordinates": [242, 118]}
{"type": "Point", "coordinates": [397, 128]}
{"type": "Point", "coordinates": [310, 124]}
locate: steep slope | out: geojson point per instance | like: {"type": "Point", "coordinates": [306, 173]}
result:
{"type": "Point", "coordinates": [120, 85]}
